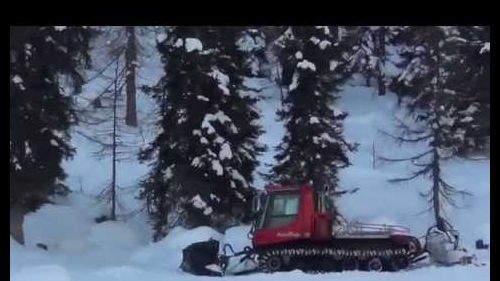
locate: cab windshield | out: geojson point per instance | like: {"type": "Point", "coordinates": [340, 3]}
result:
{"type": "Point", "coordinates": [281, 209]}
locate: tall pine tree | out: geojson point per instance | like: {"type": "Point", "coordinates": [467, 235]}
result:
{"type": "Point", "coordinates": [205, 155]}
{"type": "Point", "coordinates": [370, 49]}
{"type": "Point", "coordinates": [436, 106]}
{"type": "Point", "coordinates": [40, 108]}
{"type": "Point", "coordinates": [465, 59]}
{"type": "Point", "coordinates": [313, 148]}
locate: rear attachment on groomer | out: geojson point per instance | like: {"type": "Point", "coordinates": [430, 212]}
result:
{"type": "Point", "coordinates": [203, 258]}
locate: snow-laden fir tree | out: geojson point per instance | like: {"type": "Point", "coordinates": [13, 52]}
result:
{"type": "Point", "coordinates": [205, 153]}
{"type": "Point", "coordinates": [252, 41]}
{"type": "Point", "coordinates": [40, 107]}
{"type": "Point", "coordinates": [313, 148]}
{"type": "Point", "coordinates": [369, 52]}
{"type": "Point", "coordinates": [470, 82]}
{"type": "Point", "coordinates": [466, 62]}
{"type": "Point", "coordinates": [439, 118]}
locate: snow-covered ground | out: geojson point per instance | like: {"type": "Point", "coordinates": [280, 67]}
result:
{"type": "Point", "coordinates": [81, 250]}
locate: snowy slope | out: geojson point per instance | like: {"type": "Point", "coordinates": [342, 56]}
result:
{"type": "Point", "coordinates": [124, 260]}
{"type": "Point", "coordinates": [80, 250]}
{"type": "Point", "coordinates": [381, 202]}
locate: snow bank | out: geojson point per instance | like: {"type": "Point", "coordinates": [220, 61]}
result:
{"type": "Point", "coordinates": [111, 234]}
{"type": "Point", "coordinates": [179, 238]}
{"type": "Point", "coordinates": [167, 253]}
{"type": "Point", "coordinates": [72, 236]}
{"type": "Point", "coordinates": [13, 243]}
{"type": "Point", "coordinates": [42, 273]}
{"type": "Point", "coordinates": [56, 227]}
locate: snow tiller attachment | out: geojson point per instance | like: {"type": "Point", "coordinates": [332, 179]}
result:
{"type": "Point", "coordinates": [444, 247]}
{"type": "Point", "coordinates": [202, 258]}
{"type": "Point", "coordinates": [294, 230]}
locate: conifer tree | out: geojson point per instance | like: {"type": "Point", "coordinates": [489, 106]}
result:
{"type": "Point", "coordinates": [435, 107]}
{"type": "Point", "coordinates": [205, 154]}
{"type": "Point", "coordinates": [313, 148]}
{"type": "Point", "coordinates": [40, 107]}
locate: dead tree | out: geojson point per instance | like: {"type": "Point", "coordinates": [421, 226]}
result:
{"type": "Point", "coordinates": [102, 125]}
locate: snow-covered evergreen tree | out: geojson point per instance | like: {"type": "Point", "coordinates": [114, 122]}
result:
{"type": "Point", "coordinates": [252, 42]}
{"type": "Point", "coordinates": [369, 52]}
{"type": "Point", "coordinates": [430, 77]}
{"type": "Point", "coordinates": [40, 108]}
{"type": "Point", "coordinates": [470, 81]}
{"type": "Point", "coordinates": [313, 148]}
{"type": "Point", "coordinates": [464, 60]}
{"type": "Point", "coordinates": [205, 153]}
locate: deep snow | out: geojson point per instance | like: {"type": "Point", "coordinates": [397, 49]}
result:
{"type": "Point", "coordinates": [80, 250]}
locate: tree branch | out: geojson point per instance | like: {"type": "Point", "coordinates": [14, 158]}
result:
{"type": "Point", "coordinates": [403, 139]}
{"type": "Point", "coordinates": [416, 174]}
{"type": "Point", "coordinates": [448, 192]}
{"type": "Point", "coordinates": [100, 72]}
{"type": "Point", "coordinates": [416, 157]}
{"type": "Point", "coordinates": [407, 130]}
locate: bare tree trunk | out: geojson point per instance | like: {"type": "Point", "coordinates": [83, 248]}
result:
{"type": "Point", "coordinates": [278, 76]}
{"type": "Point", "coordinates": [373, 155]}
{"type": "Point", "coordinates": [131, 60]}
{"type": "Point", "coordinates": [436, 176]}
{"type": "Point", "coordinates": [381, 56]}
{"type": "Point", "coordinates": [113, 180]}
{"type": "Point", "coordinates": [318, 179]}
{"type": "Point", "coordinates": [16, 222]}
{"type": "Point", "coordinates": [436, 193]}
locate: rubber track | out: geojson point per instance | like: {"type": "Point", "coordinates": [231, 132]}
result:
{"type": "Point", "coordinates": [335, 253]}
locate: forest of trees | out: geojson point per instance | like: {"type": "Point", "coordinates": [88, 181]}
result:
{"type": "Point", "coordinates": [203, 156]}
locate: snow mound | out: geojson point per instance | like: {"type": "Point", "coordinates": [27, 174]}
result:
{"type": "Point", "coordinates": [112, 234]}
{"type": "Point", "coordinates": [42, 273]}
{"type": "Point", "coordinates": [179, 238]}
{"type": "Point", "coordinates": [167, 253]}
{"type": "Point", "coordinates": [13, 243]}
{"type": "Point", "coordinates": [56, 227]}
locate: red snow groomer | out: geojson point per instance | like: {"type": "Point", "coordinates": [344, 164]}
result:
{"type": "Point", "coordinates": [294, 230]}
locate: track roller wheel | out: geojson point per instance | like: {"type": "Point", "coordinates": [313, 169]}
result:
{"type": "Point", "coordinates": [271, 263]}
{"type": "Point", "coordinates": [397, 263]}
{"type": "Point", "coordinates": [402, 262]}
{"type": "Point", "coordinates": [350, 264]}
{"type": "Point", "coordinates": [374, 264]}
